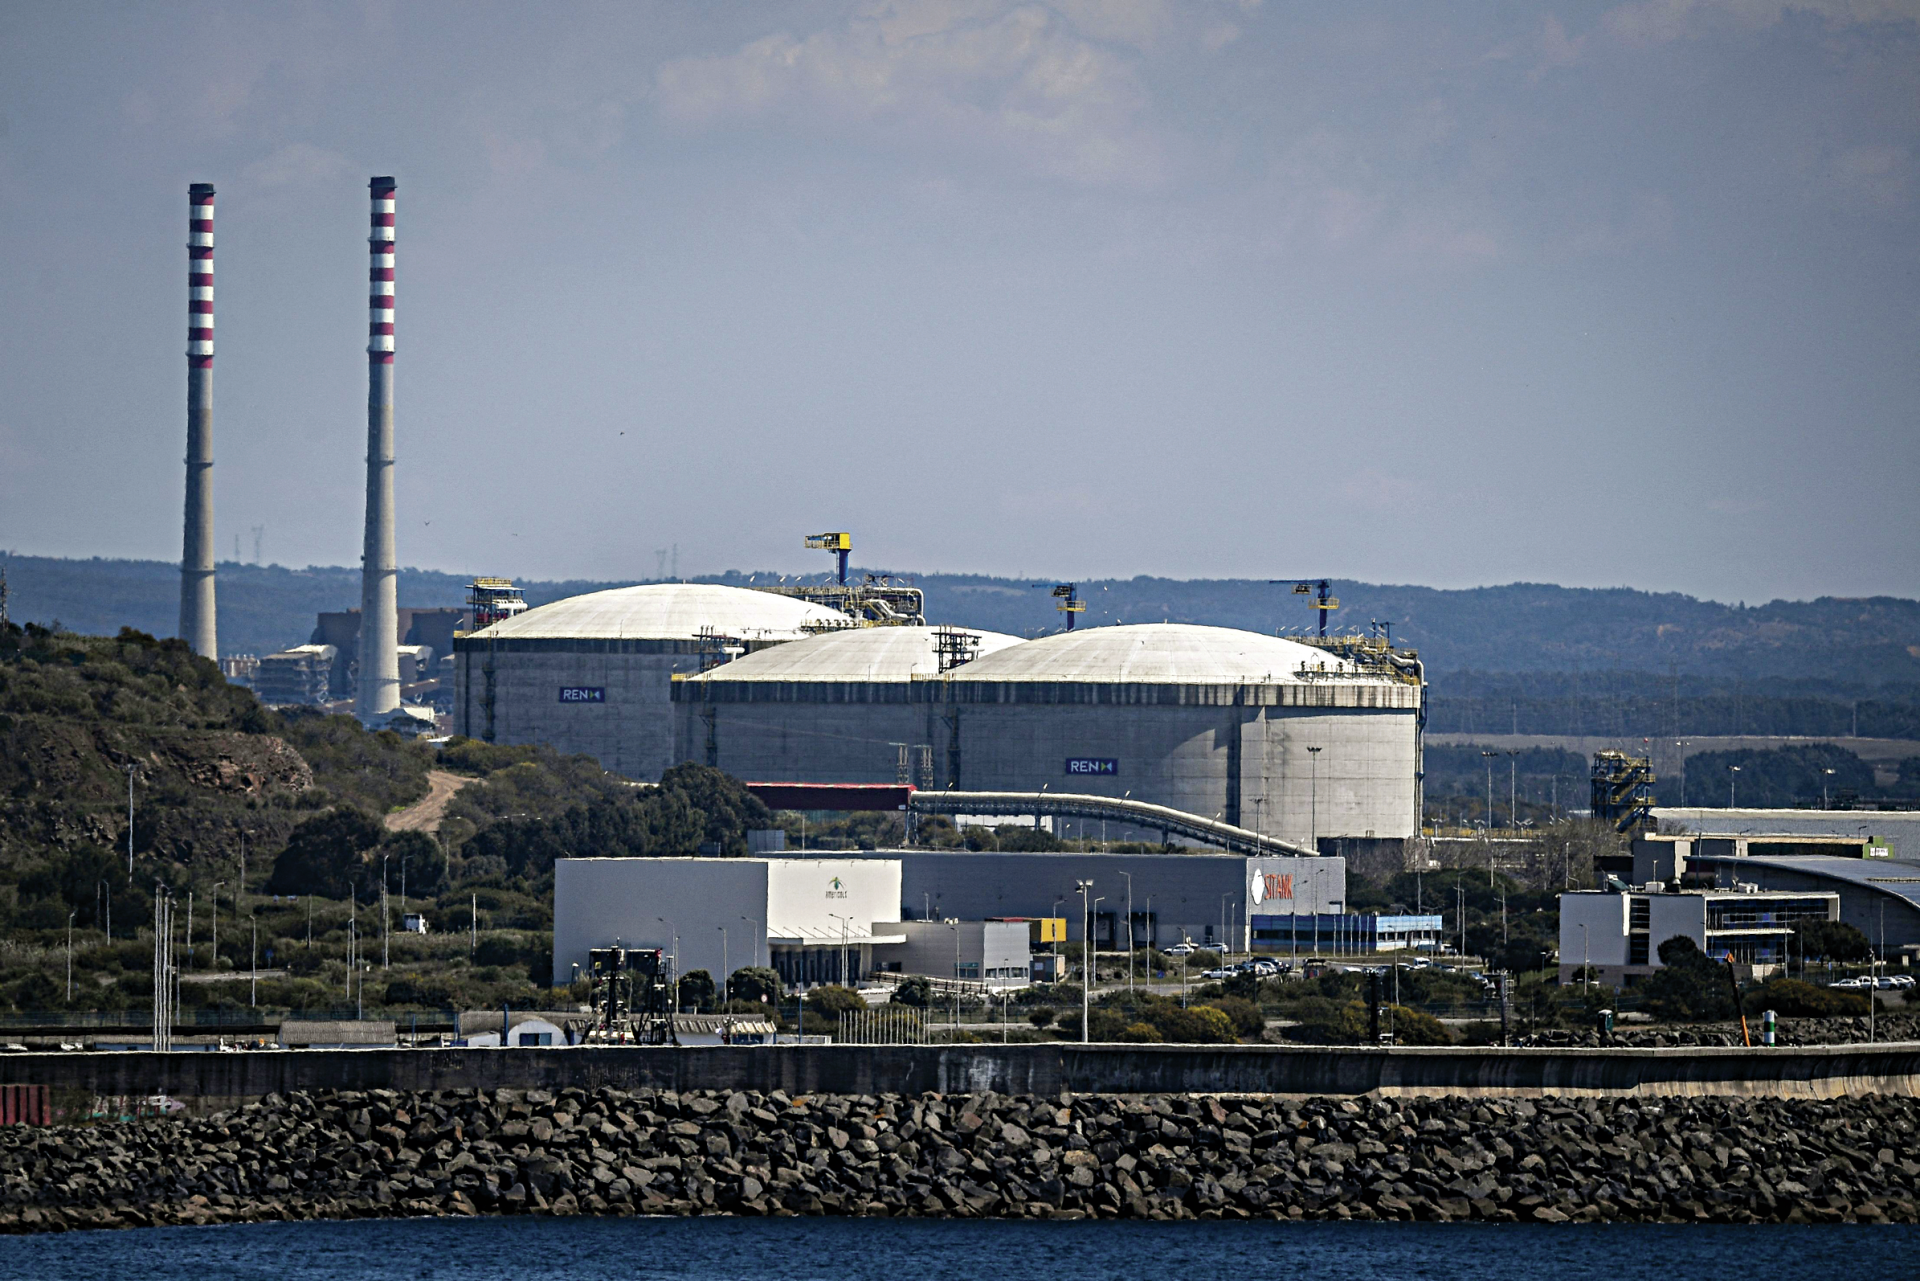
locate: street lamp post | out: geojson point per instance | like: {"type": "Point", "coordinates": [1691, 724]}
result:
{"type": "Point", "coordinates": [1585, 961]}
{"type": "Point", "coordinates": [726, 975]}
{"type": "Point", "coordinates": [214, 962]}
{"type": "Point", "coordinates": [1313, 800]}
{"type": "Point", "coordinates": [673, 944]}
{"type": "Point", "coordinates": [253, 962]}
{"type": "Point", "coordinates": [1488, 757]}
{"type": "Point", "coordinates": [70, 916]}
{"type": "Point", "coordinates": [1732, 771]}
{"type": "Point", "coordinates": [753, 953]}
{"type": "Point", "coordinates": [1129, 880]}
{"type": "Point", "coordinates": [1825, 774]}
{"type": "Point", "coordinates": [1086, 958]}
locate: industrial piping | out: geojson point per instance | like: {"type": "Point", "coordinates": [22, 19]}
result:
{"type": "Point", "coordinates": [378, 695]}
{"type": "Point", "coordinates": [196, 552]}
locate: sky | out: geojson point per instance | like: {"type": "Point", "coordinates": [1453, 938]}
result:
{"type": "Point", "coordinates": [1597, 294]}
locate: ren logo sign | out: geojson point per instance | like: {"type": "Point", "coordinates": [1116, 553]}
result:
{"type": "Point", "coordinates": [1265, 885]}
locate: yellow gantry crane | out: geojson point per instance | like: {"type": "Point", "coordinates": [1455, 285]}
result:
{"type": "Point", "coordinates": [840, 544]}
{"type": "Point", "coordinates": [1068, 594]}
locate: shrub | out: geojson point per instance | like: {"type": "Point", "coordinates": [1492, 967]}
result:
{"type": "Point", "coordinates": [1201, 1025]}
{"type": "Point", "coordinates": [1795, 999]}
{"type": "Point", "coordinates": [1245, 1015]}
{"type": "Point", "coordinates": [1042, 1016]}
{"type": "Point", "coordinates": [916, 990]}
{"type": "Point", "coordinates": [1140, 1034]}
{"type": "Point", "coordinates": [832, 1000]}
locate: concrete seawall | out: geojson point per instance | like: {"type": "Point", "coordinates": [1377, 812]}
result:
{"type": "Point", "coordinates": [209, 1081]}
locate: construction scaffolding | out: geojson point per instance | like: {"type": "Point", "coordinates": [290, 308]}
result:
{"type": "Point", "coordinates": [1623, 791]}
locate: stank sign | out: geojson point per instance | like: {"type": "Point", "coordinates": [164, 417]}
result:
{"type": "Point", "coordinates": [1265, 885]}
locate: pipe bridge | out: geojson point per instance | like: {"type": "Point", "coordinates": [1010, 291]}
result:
{"type": "Point", "coordinates": [1169, 822]}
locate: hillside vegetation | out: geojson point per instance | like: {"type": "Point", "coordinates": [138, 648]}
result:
{"type": "Point", "coordinates": [277, 823]}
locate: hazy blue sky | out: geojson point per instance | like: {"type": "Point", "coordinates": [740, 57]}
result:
{"type": "Point", "coordinates": [1446, 294]}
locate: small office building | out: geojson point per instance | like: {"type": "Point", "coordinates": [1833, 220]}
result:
{"type": "Point", "coordinates": [996, 953]}
{"type": "Point", "coordinates": [1619, 933]}
{"type": "Point", "coordinates": [1344, 933]}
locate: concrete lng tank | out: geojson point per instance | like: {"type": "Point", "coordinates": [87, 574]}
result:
{"type": "Point", "coordinates": [592, 673]}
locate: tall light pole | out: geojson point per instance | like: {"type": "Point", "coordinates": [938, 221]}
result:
{"type": "Point", "coordinates": [1488, 757]}
{"type": "Point", "coordinates": [843, 949]}
{"type": "Point", "coordinates": [253, 963]}
{"type": "Point", "coordinates": [214, 962]}
{"type": "Point", "coordinates": [725, 974]}
{"type": "Point", "coordinates": [1313, 800]}
{"type": "Point", "coordinates": [70, 916]}
{"type": "Point", "coordinates": [1585, 961]}
{"type": "Point", "coordinates": [1513, 787]}
{"type": "Point", "coordinates": [1086, 957]}
{"type": "Point", "coordinates": [753, 953]}
{"type": "Point", "coordinates": [386, 919]}
{"type": "Point", "coordinates": [1732, 771]}
{"type": "Point", "coordinates": [673, 941]}
{"type": "Point", "coordinates": [1129, 879]}
{"type": "Point", "coordinates": [131, 768]}
{"type": "Point", "coordinates": [1825, 774]}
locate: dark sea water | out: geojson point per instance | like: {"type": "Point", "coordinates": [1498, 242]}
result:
{"type": "Point", "coordinates": [719, 1249]}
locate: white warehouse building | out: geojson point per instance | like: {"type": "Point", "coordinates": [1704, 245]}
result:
{"type": "Point", "coordinates": [592, 673]}
{"type": "Point", "coordinates": [812, 919]}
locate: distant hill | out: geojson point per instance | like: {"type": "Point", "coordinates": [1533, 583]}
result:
{"type": "Point", "coordinates": [1518, 628]}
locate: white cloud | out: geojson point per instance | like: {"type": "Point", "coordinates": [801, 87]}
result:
{"type": "Point", "coordinates": [1655, 21]}
{"type": "Point", "coordinates": [964, 75]}
{"type": "Point", "coordinates": [299, 164]}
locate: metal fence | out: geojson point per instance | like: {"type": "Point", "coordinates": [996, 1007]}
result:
{"type": "Point", "coordinates": [887, 1025]}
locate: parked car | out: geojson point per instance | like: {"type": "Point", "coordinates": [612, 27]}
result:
{"type": "Point", "coordinates": [1216, 974]}
{"type": "Point", "coordinates": [1180, 949]}
{"type": "Point", "coordinates": [1852, 983]}
{"type": "Point", "coordinates": [1903, 981]}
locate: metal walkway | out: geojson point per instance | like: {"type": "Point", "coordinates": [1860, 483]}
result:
{"type": "Point", "coordinates": [1169, 822]}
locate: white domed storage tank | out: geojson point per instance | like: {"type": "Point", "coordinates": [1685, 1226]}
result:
{"type": "Point", "coordinates": [835, 708]}
{"type": "Point", "coordinates": [593, 673]}
{"type": "Point", "coordinates": [1209, 720]}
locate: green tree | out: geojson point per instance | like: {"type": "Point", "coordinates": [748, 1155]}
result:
{"type": "Point", "coordinates": [326, 854]}
{"type": "Point", "coordinates": [1688, 986]}
{"type": "Point", "coordinates": [1831, 941]}
{"type": "Point", "coordinates": [696, 989]}
{"type": "Point", "coordinates": [1200, 1025]}
{"type": "Point", "coordinates": [755, 983]}
{"type": "Point", "coordinates": [414, 862]}
{"type": "Point", "coordinates": [1245, 1015]}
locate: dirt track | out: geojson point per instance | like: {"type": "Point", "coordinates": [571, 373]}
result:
{"type": "Point", "coordinates": [424, 815]}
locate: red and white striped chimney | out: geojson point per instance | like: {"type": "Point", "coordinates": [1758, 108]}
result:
{"type": "Point", "coordinates": [196, 557]}
{"type": "Point", "coordinates": [378, 696]}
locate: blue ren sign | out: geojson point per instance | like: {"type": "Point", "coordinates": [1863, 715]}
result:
{"type": "Point", "coordinates": [1093, 765]}
{"type": "Point", "coordinates": [583, 694]}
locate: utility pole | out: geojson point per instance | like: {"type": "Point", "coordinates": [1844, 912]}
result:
{"type": "Point", "coordinates": [70, 916]}
{"type": "Point", "coordinates": [131, 767]}
{"type": "Point", "coordinates": [253, 963]}
{"type": "Point", "coordinates": [386, 919]}
{"type": "Point", "coordinates": [214, 962]}
{"type": "Point", "coordinates": [1086, 960]}
{"type": "Point", "coordinates": [1129, 880]}
{"type": "Point", "coordinates": [1732, 772]}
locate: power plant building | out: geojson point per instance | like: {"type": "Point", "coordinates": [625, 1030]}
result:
{"type": "Point", "coordinates": [1294, 741]}
{"type": "Point", "coordinates": [593, 673]}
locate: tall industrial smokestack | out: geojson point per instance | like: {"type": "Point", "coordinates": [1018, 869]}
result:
{"type": "Point", "coordinates": [196, 553]}
{"type": "Point", "coordinates": [379, 694]}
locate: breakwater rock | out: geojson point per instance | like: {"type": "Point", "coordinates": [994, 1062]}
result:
{"type": "Point", "coordinates": [572, 1152]}
{"type": "Point", "coordinates": [1853, 1029]}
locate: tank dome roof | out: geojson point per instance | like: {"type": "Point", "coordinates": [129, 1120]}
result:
{"type": "Point", "coordinates": [856, 654]}
{"type": "Point", "coordinates": [1155, 654]}
{"type": "Point", "coordinates": [667, 611]}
